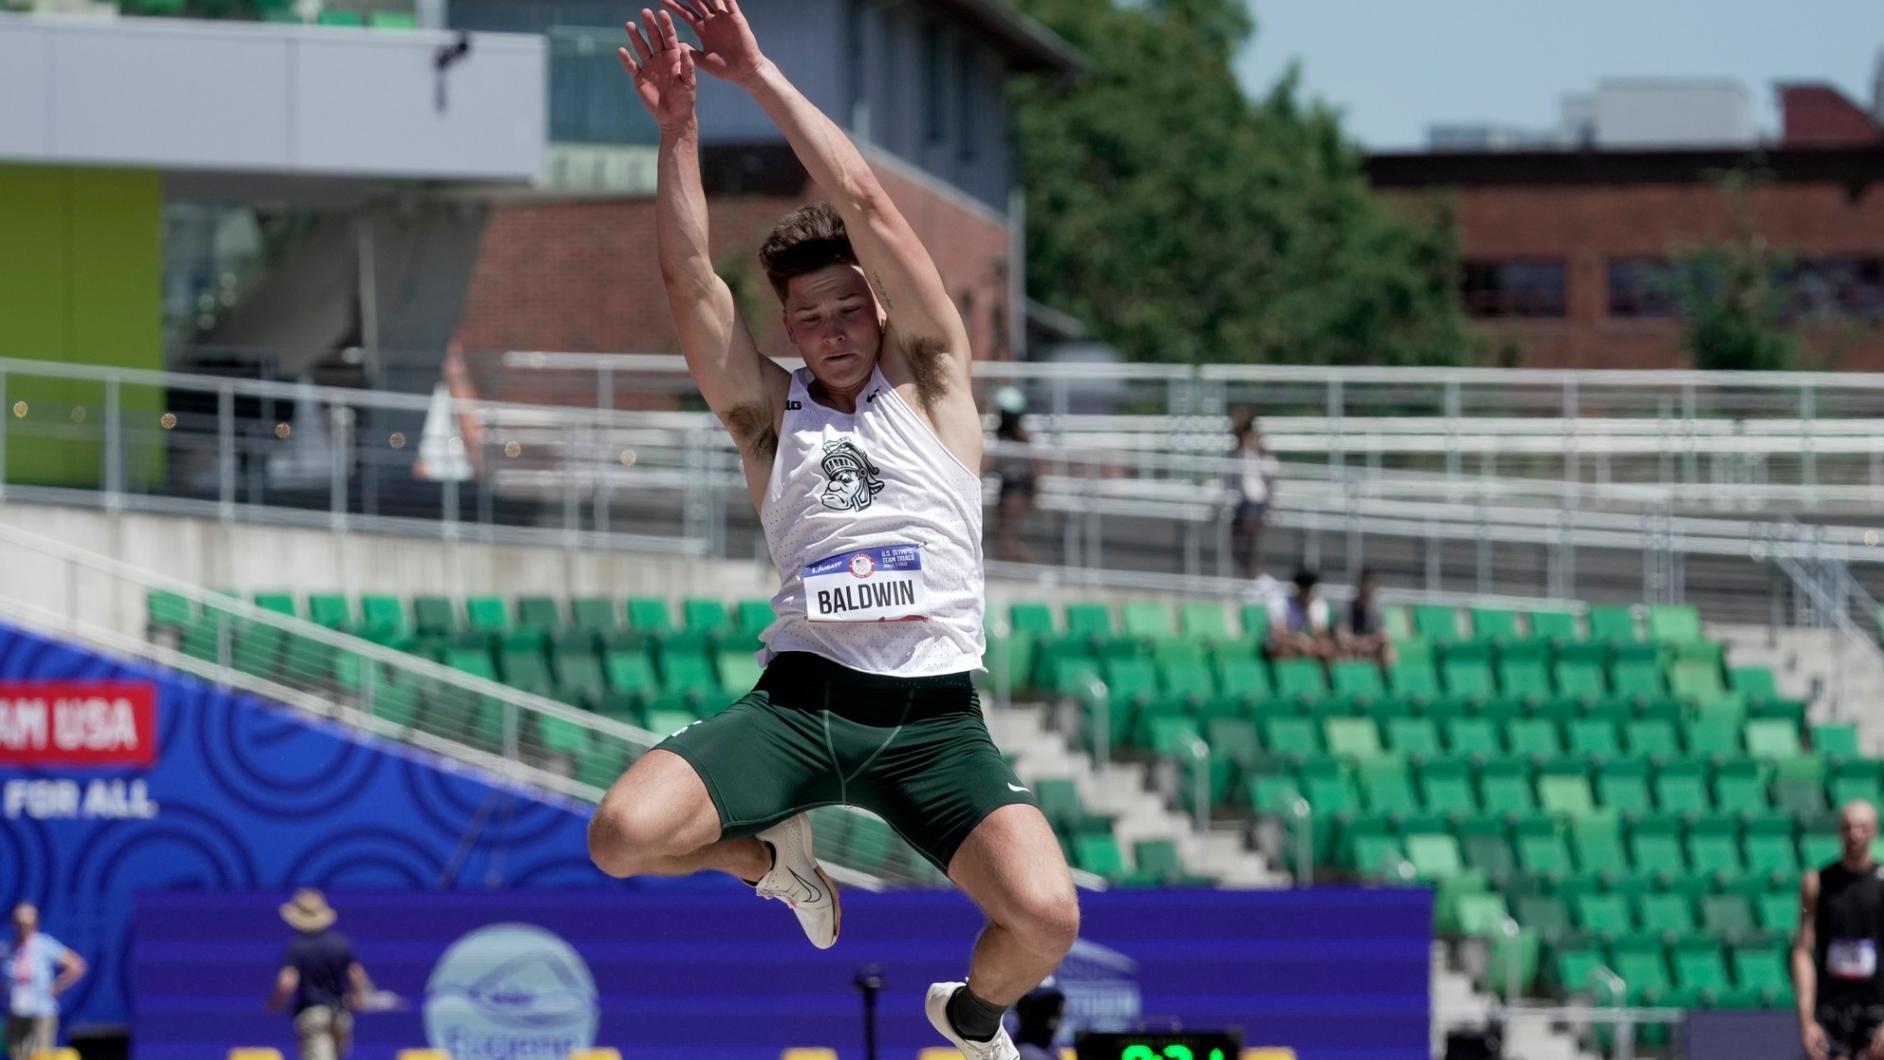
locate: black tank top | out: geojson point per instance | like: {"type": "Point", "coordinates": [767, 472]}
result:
{"type": "Point", "coordinates": [1849, 926]}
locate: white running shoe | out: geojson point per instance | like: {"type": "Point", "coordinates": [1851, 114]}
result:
{"type": "Point", "coordinates": [999, 1047]}
{"type": "Point", "coordinates": [797, 880]}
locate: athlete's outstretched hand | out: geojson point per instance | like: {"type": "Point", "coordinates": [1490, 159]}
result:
{"type": "Point", "coordinates": [727, 46]}
{"type": "Point", "coordinates": [662, 68]}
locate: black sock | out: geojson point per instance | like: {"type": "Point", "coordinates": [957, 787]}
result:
{"type": "Point", "coordinates": [974, 1019]}
{"type": "Point", "coordinates": [774, 852]}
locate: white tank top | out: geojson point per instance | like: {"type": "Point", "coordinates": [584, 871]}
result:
{"type": "Point", "coordinates": [876, 530]}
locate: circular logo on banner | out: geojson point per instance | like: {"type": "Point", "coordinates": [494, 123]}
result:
{"type": "Point", "coordinates": [862, 566]}
{"type": "Point", "coordinates": [507, 991]}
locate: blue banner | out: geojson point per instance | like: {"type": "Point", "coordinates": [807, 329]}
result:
{"type": "Point", "coordinates": [1334, 973]}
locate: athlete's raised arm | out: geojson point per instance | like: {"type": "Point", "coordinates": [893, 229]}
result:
{"type": "Point", "coordinates": [926, 342]}
{"type": "Point", "coordinates": [742, 386]}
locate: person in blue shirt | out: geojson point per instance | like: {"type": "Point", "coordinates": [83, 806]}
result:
{"type": "Point", "coordinates": [38, 969]}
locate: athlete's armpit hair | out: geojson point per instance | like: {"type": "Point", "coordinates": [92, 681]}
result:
{"type": "Point", "coordinates": [751, 427]}
{"type": "Point", "coordinates": [927, 363]}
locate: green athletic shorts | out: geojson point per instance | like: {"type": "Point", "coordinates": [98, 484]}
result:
{"type": "Point", "coordinates": [912, 750]}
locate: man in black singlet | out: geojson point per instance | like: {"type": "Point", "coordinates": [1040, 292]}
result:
{"type": "Point", "coordinates": [1835, 955]}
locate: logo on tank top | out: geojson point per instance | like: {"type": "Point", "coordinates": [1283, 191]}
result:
{"type": "Point", "coordinates": [852, 481]}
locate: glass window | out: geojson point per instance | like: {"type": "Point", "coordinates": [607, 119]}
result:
{"type": "Point", "coordinates": [1525, 288]}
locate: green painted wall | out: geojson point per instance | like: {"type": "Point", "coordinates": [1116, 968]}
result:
{"type": "Point", "coordinates": [81, 282]}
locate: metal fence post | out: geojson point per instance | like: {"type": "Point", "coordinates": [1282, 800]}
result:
{"type": "Point", "coordinates": [114, 446]}
{"type": "Point", "coordinates": [1304, 841]}
{"type": "Point", "coordinates": [226, 459]}
{"type": "Point", "coordinates": [1101, 697]}
{"type": "Point", "coordinates": [1200, 784]}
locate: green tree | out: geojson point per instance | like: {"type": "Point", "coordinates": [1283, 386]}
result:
{"type": "Point", "coordinates": [1732, 293]}
{"type": "Point", "coordinates": [1189, 223]}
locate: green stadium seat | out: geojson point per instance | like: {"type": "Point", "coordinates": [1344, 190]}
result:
{"type": "Point", "coordinates": [1413, 736]}
{"type": "Point", "coordinates": [1414, 679]}
{"type": "Point", "coordinates": [1652, 737]}
{"type": "Point", "coordinates": [1386, 786]}
{"type": "Point", "coordinates": [1187, 682]}
{"type": "Point", "coordinates": [1234, 739]}
{"type": "Point", "coordinates": [1613, 625]}
{"type": "Point", "coordinates": [1573, 966]}
{"type": "Point", "coordinates": [739, 670]}
{"type": "Point", "coordinates": [1471, 736]}
{"type": "Point", "coordinates": [1603, 914]}
{"type": "Point", "coordinates": [1010, 662]}
{"type": "Point", "coordinates": [1290, 736]}
{"type": "Point", "coordinates": [1301, 679]}
{"type": "Point", "coordinates": [1674, 624]}
{"type": "Point", "coordinates": [1563, 789]}
{"type": "Point", "coordinates": [1712, 736]}
{"type": "Point", "coordinates": [1740, 786]}
{"type": "Point", "coordinates": [1714, 848]}
{"type": "Point", "coordinates": [1485, 844]}
{"type": "Point", "coordinates": [1833, 741]}
{"type": "Point", "coordinates": [1205, 622]}
{"type": "Point", "coordinates": [1493, 625]}
{"type": "Point", "coordinates": [434, 615]}
{"type": "Point", "coordinates": [1328, 785]}
{"type": "Point", "coordinates": [1596, 737]}
{"type": "Point", "coordinates": [1523, 674]}
{"type": "Point", "coordinates": [1358, 680]}
{"type": "Point", "coordinates": [1622, 786]}
{"type": "Point", "coordinates": [1799, 787]}
{"type": "Point", "coordinates": [392, 20]}
{"type": "Point", "coordinates": [279, 603]}
{"type": "Point", "coordinates": [1541, 849]}
{"type": "Point", "coordinates": [1597, 841]}
{"type": "Point", "coordinates": [1158, 860]}
{"type": "Point", "coordinates": [1372, 850]}
{"type": "Point", "coordinates": [1145, 620]}
{"type": "Point", "coordinates": [487, 614]}
{"type": "Point", "coordinates": [1555, 627]}
{"type": "Point", "coordinates": [1174, 735]}
{"type": "Point", "coordinates": [168, 610]}
{"type": "Point", "coordinates": [650, 614]}
{"type": "Point", "coordinates": [1032, 619]}
{"type": "Point", "coordinates": [1580, 679]}
{"type": "Point", "coordinates": [1700, 969]}
{"type": "Point", "coordinates": [1665, 913]}
{"type": "Point", "coordinates": [1099, 854]}
{"type": "Point", "coordinates": [1761, 968]}
{"type": "Point", "coordinates": [1504, 786]}
{"type": "Point", "coordinates": [1482, 915]}
{"type": "Point", "coordinates": [578, 672]}
{"type": "Point", "coordinates": [1639, 679]}
{"type": "Point", "coordinates": [1435, 856]}
{"type": "Point", "coordinates": [593, 613]}
{"type": "Point", "coordinates": [1770, 849]}
{"type": "Point", "coordinates": [1818, 849]}
{"type": "Point", "coordinates": [338, 17]}
{"type": "Point", "coordinates": [1544, 914]}
{"type": "Point", "coordinates": [1446, 788]}
{"type": "Point", "coordinates": [332, 610]}
{"type": "Point", "coordinates": [1436, 623]}
{"type": "Point", "coordinates": [1533, 737]}
{"type": "Point", "coordinates": [629, 668]}
{"type": "Point", "coordinates": [1655, 847]}
{"type": "Point", "coordinates": [1254, 618]}
{"type": "Point", "coordinates": [540, 612]}
{"type": "Point", "coordinates": [1090, 622]}
{"type": "Point", "coordinates": [1357, 738]}
{"type": "Point", "coordinates": [705, 615]}
{"type": "Point", "coordinates": [1060, 802]}
{"type": "Point", "coordinates": [1753, 682]}
{"type": "Point", "coordinates": [560, 736]}
{"type": "Point", "coordinates": [1640, 961]}
{"type": "Point", "coordinates": [1727, 916]}
{"type": "Point", "coordinates": [1467, 675]}
{"type": "Point", "coordinates": [1857, 778]}
{"type": "Point", "coordinates": [524, 666]}
{"type": "Point", "coordinates": [1777, 911]}
{"type": "Point", "coordinates": [1244, 677]}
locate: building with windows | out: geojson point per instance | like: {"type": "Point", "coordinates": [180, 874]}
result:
{"type": "Point", "coordinates": [1568, 250]}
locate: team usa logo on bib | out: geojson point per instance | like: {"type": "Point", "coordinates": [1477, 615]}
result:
{"type": "Point", "coordinates": [867, 585]}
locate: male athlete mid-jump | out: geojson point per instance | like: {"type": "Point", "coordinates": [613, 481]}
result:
{"type": "Point", "coordinates": [862, 466]}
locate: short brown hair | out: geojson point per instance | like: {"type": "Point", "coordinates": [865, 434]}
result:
{"type": "Point", "coordinates": [806, 240]}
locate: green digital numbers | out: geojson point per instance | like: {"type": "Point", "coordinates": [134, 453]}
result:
{"type": "Point", "coordinates": [1179, 1052]}
{"type": "Point", "coordinates": [1138, 1052]}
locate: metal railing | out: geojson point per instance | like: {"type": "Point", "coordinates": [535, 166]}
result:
{"type": "Point", "coordinates": [524, 738]}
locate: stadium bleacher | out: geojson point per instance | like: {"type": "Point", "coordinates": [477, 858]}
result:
{"type": "Point", "coordinates": [1611, 782]}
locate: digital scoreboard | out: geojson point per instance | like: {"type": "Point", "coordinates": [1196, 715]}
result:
{"type": "Point", "coordinates": [1195, 1045]}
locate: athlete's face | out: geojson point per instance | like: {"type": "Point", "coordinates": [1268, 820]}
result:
{"type": "Point", "coordinates": [1857, 828]}
{"type": "Point", "coordinates": [833, 319]}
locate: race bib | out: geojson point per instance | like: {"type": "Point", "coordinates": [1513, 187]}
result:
{"type": "Point", "coordinates": [1851, 958]}
{"type": "Point", "coordinates": [866, 585]}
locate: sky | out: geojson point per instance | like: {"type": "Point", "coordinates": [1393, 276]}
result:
{"type": "Point", "coordinates": [1396, 66]}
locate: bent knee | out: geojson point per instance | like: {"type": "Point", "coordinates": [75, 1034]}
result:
{"type": "Point", "coordinates": [622, 841]}
{"type": "Point", "coordinates": [1048, 916]}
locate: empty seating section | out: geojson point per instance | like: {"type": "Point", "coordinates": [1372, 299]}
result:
{"type": "Point", "coordinates": [1615, 783]}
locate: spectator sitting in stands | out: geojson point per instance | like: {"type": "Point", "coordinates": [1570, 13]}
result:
{"type": "Point", "coordinates": [1299, 625]}
{"type": "Point", "coordinates": [1364, 635]}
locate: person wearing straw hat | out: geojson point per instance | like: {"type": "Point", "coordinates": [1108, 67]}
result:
{"type": "Point", "coordinates": [320, 975]}
{"type": "Point", "coordinates": [38, 969]}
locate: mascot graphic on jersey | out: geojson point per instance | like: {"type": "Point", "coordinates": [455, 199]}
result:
{"type": "Point", "coordinates": [853, 478]}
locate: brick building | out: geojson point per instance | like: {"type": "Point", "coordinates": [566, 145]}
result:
{"type": "Point", "coordinates": [1566, 249]}
{"type": "Point", "coordinates": [921, 88]}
